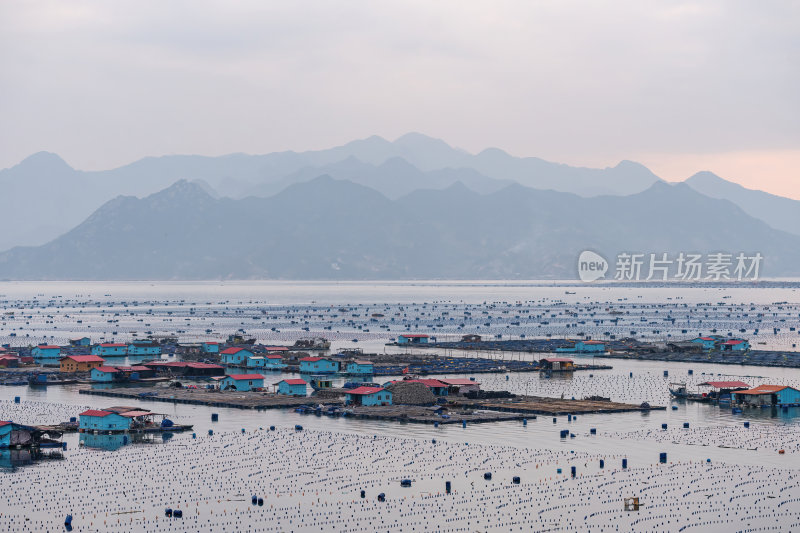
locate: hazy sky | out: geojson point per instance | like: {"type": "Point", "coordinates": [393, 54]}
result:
{"type": "Point", "coordinates": [678, 86]}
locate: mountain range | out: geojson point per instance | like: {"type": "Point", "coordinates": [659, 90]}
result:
{"type": "Point", "coordinates": [62, 197]}
{"type": "Point", "coordinates": [336, 229]}
{"type": "Point", "coordinates": [410, 208]}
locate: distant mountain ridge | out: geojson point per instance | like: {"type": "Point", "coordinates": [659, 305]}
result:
{"type": "Point", "coordinates": [779, 212]}
{"type": "Point", "coordinates": [334, 229]}
{"type": "Point", "coordinates": [62, 197]}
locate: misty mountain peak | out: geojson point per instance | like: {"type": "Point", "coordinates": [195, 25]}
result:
{"type": "Point", "coordinates": [627, 164]}
{"type": "Point", "coordinates": [182, 191]}
{"type": "Point", "coordinates": [705, 177]}
{"type": "Point", "coordinates": [420, 140]}
{"type": "Point", "coordinates": [44, 162]}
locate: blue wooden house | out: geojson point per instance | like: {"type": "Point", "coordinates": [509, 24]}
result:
{"type": "Point", "coordinates": [236, 356]}
{"type": "Point", "coordinates": [210, 347]}
{"type": "Point", "coordinates": [708, 343]}
{"type": "Point", "coordinates": [110, 349]}
{"type": "Point", "coordinates": [764, 395]}
{"type": "Point", "coordinates": [587, 346]}
{"type": "Point", "coordinates": [241, 382]}
{"type": "Point", "coordinates": [412, 338]}
{"type": "Point", "coordinates": [292, 387]}
{"type": "Point", "coordinates": [96, 420]}
{"type": "Point", "coordinates": [80, 341]}
{"type": "Point", "coordinates": [256, 361]}
{"type": "Point", "coordinates": [104, 374]}
{"type": "Point", "coordinates": [734, 345]}
{"type": "Point", "coordinates": [46, 351]}
{"type": "Point", "coordinates": [274, 362]}
{"type": "Point", "coordinates": [590, 347]}
{"type": "Point", "coordinates": [360, 368]}
{"type": "Point", "coordinates": [5, 434]}
{"type": "Point", "coordinates": [144, 348]}
{"type": "Point", "coordinates": [318, 365]}
{"type": "Point", "coordinates": [368, 396]}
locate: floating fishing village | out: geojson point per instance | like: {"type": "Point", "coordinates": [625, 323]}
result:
{"type": "Point", "coordinates": [545, 413]}
{"type": "Point", "coordinates": [400, 267]}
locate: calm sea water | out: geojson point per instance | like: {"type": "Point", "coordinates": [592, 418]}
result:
{"type": "Point", "coordinates": [338, 293]}
{"type": "Point", "coordinates": [54, 299]}
{"type": "Point", "coordinates": [311, 479]}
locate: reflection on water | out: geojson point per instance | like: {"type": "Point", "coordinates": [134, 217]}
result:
{"type": "Point", "coordinates": [116, 441]}
{"type": "Point", "coordinates": [12, 459]}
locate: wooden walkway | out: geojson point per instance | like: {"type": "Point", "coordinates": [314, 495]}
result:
{"type": "Point", "coordinates": [552, 406]}
{"type": "Point", "coordinates": [234, 400]}
{"type": "Point", "coordinates": [424, 415]}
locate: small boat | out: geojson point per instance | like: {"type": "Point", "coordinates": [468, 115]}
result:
{"type": "Point", "coordinates": [679, 390]}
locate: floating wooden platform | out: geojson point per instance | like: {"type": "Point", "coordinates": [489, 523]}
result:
{"type": "Point", "coordinates": [552, 406]}
{"type": "Point", "coordinates": [424, 415]}
{"type": "Point", "coordinates": [234, 400]}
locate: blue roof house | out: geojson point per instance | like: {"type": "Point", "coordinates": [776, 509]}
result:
{"type": "Point", "coordinates": [110, 349]}
{"type": "Point", "coordinates": [412, 338]}
{"type": "Point", "coordinates": [360, 368]}
{"type": "Point", "coordinates": [144, 348]}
